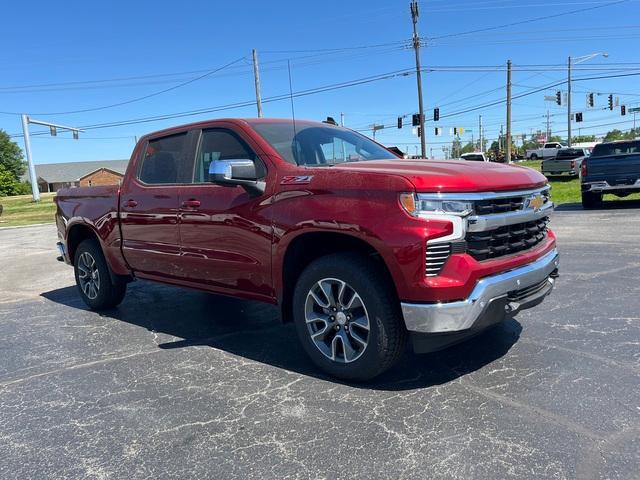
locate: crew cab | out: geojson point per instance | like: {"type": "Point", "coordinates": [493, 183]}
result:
{"type": "Point", "coordinates": [548, 150]}
{"type": "Point", "coordinates": [613, 167]}
{"type": "Point", "coordinates": [567, 161]}
{"type": "Point", "coordinates": [359, 248]}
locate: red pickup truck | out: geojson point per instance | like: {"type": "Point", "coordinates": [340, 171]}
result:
{"type": "Point", "coordinates": [359, 248]}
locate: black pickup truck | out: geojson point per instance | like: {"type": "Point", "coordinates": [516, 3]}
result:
{"type": "Point", "coordinates": [613, 167]}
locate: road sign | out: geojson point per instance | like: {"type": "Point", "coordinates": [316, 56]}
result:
{"type": "Point", "coordinates": [633, 110]}
{"type": "Point", "coordinates": [550, 98]}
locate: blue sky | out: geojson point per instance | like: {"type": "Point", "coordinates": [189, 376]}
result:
{"type": "Point", "coordinates": [62, 57]}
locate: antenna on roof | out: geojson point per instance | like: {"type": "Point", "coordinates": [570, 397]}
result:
{"type": "Point", "coordinates": [293, 114]}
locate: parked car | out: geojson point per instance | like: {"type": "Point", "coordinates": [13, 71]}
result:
{"type": "Point", "coordinates": [567, 161]}
{"type": "Point", "coordinates": [613, 167]}
{"type": "Point", "coordinates": [474, 157]}
{"type": "Point", "coordinates": [549, 150]}
{"type": "Point", "coordinates": [359, 248]}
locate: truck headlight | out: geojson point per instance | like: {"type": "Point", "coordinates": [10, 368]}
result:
{"type": "Point", "coordinates": [419, 205]}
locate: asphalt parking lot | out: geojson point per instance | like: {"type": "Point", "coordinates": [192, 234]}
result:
{"type": "Point", "coordinates": [178, 383]}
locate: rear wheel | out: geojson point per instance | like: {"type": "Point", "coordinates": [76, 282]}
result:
{"type": "Point", "coordinates": [94, 280]}
{"type": "Point", "coordinates": [591, 200]}
{"type": "Point", "coordinates": [534, 156]}
{"type": "Point", "coordinates": [347, 317]}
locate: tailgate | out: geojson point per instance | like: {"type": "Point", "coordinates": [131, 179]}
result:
{"type": "Point", "coordinates": [616, 169]}
{"type": "Point", "coordinates": [556, 165]}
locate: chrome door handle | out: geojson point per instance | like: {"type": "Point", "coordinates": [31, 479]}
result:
{"type": "Point", "coordinates": [191, 203]}
{"type": "Point", "coordinates": [131, 203]}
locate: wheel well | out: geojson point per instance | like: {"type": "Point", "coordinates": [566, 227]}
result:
{"type": "Point", "coordinates": [77, 234]}
{"type": "Point", "coordinates": [310, 246]}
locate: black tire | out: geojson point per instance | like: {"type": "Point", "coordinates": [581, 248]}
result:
{"type": "Point", "coordinates": [591, 200]}
{"type": "Point", "coordinates": [108, 291]}
{"type": "Point", "coordinates": [533, 157]}
{"type": "Point", "coordinates": [386, 337]}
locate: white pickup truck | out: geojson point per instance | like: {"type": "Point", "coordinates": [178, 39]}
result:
{"type": "Point", "coordinates": [549, 150]}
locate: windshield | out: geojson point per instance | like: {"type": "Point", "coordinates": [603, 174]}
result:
{"type": "Point", "coordinates": [473, 157]}
{"type": "Point", "coordinates": [320, 145]}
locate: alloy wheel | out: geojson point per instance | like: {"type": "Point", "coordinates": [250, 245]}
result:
{"type": "Point", "coordinates": [88, 275]}
{"type": "Point", "coordinates": [337, 320]}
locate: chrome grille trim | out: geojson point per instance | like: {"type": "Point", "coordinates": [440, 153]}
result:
{"type": "Point", "coordinates": [436, 256]}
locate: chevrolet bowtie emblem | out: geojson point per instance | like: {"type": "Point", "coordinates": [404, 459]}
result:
{"type": "Point", "coordinates": [536, 202]}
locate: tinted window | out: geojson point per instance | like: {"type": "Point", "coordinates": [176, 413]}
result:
{"type": "Point", "coordinates": [219, 144]}
{"type": "Point", "coordinates": [618, 148]}
{"type": "Point", "coordinates": [570, 153]}
{"type": "Point", "coordinates": [473, 158]}
{"type": "Point", "coordinates": [317, 145]}
{"type": "Point", "coordinates": [164, 160]}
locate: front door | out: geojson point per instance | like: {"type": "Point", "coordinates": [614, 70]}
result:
{"type": "Point", "coordinates": [150, 203]}
{"type": "Point", "coordinates": [226, 240]}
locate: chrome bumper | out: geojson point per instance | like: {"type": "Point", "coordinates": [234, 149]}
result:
{"type": "Point", "coordinates": [489, 298]}
{"type": "Point", "coordinates": [603, 186]}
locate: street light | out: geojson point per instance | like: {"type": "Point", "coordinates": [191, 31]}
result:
{"type": "Point", "coordinates": [576, 61]}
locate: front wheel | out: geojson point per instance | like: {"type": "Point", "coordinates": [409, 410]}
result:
{"type": "Point", "coordinates": [347, 318]}
{"type": "Point", "coordinates": [94, 280]}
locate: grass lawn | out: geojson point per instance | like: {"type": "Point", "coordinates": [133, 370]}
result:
{"type": "Point", "coordinates": [21, 210]}
{"type": "Point", "coordinates": [567, 189]}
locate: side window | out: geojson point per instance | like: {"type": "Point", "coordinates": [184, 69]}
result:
{"type": "Point", "coordinates": [220, 144]}
{"type": "Point", "coordinates": [164, 160]}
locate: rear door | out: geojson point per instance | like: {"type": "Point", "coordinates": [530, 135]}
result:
{"type": "Point", "coordinates": [150, 201]}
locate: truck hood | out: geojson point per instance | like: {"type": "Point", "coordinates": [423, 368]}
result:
{"type": "Point", "coordinates": [453, 175]}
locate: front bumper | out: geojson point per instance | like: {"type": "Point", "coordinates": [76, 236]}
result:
{"type": "Point", "coordinates": [493, 299]}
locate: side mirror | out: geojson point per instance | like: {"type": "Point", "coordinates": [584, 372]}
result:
{"type": "Point", "coordinates": [232, 173]}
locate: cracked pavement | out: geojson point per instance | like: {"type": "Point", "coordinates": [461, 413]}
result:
{"type": "Point", "coordinates": [182, 384]}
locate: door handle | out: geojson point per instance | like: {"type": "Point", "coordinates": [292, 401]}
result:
{"type": "Point", "coordinates": [131, 203]}
{"type": "Point", "coordinates": [191, 203]}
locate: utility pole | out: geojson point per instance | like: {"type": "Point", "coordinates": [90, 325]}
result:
{"type": "Point", "coordinates": [256, 77]}
{"type": "Point", "coordinates": [500, 144]}
{"type": "Point", "coordinates": [341, 119]}
{"type": "Point", "coordinates": [548, 127]}
{"type": "Point", "coordinates": [568, 102]}
{"type": "Point", "coordinates": [416, 47]}
{"type": "Point", "coordinates": [480, 133]}
{"type": "Point", "coordinates": [508, 154]}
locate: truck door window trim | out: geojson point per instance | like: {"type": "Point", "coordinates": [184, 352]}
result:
{"type": "Point", "coordinates": [260, 165]}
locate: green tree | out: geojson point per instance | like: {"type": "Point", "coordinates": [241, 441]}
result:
{"type": "Point", "coordinates": [468, 148]}
{"type": "Point", "coordinates": [11, 156]}
{"type": "Point", "coordinates": [583, 139]}
{"type": "Point", "coordinates": [614, 134]}
{"type": "Point", "coordinates": [8, 184]}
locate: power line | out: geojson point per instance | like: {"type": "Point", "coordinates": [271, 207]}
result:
{"type": "Point", "coordinates": [529, 20]}
{"type": "Point", "coordinates": [133, 100]}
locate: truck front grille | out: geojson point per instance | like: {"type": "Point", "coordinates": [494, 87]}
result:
{"type": "Point", "coordinates": [506, 240]}
{"type": "Point", "coordinates": [498, 205]}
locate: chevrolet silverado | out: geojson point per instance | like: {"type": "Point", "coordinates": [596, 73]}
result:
{"type": "Point", "coordinates": [359, 248]}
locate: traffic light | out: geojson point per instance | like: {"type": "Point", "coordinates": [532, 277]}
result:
{"type": "Point", "coordinates": [415, 119]}
{"type": "Point", "coordinates": [590, 102]}
{"type": "Point", "coordinates": [438, 131]}
{"type": "Point", "coordinates": [455, 130]}
{"type": "Point", "coordinates": [610, 102]}
{"type": "Point", "coordinates": [623, 110]}
{"type": "Point", "coordinates": [578, 117]}
{"type": "Point", "coordinates": [436, 114]}
{"type": "Point", "coordinates": [399, 122]}
{"type": "Point", "coordinates": [559, 97]}
{"type": "Point", "coordinates": [419, 132]}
